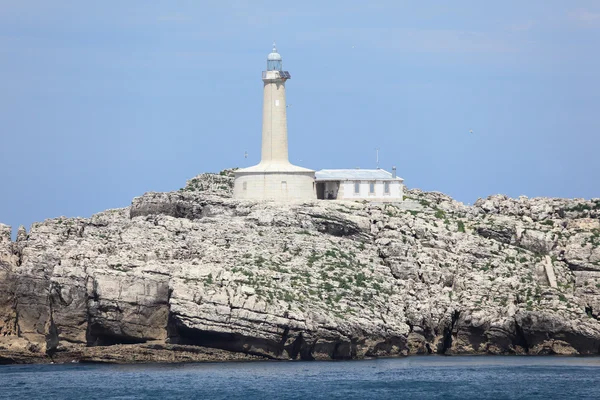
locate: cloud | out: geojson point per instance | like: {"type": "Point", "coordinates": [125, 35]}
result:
{"type": "Point", "coordinates": [176, 17]}
{"type": "Point", "coordinates": [522, 27]}
{"type": "Point", "coordinates": [454, 41]}
{"type": "Point", "coordinates": [585, 16]}
{"type": "Point", "coordinates": [448, 41]}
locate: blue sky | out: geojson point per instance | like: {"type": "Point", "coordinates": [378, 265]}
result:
{"type": "Point", "coordinates": [103, 101]}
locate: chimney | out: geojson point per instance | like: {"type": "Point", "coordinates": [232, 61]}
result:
{"type": "Point", "coordinates": [394, 172]}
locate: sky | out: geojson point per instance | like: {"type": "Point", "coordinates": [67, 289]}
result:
{"type": "Point", "coordinates": [104, 101]}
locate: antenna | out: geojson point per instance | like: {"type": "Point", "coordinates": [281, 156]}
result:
{"type": "Point", "coordinates": [377, 157]}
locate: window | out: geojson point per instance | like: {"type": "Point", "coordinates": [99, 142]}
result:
{"type": "Point", "coordinates": [283, 185]}
{"type": "Point", "coordinates": [245, 185]}
{"type": "Point", "coordinates": [371, 187]}
{"type": "Point", "coordinates": [356, 187]}
{"type": "Point", "coordinates": [386, 187]}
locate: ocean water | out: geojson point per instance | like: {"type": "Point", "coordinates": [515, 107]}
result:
{"type": "Point", "coordinates": [409, 378]}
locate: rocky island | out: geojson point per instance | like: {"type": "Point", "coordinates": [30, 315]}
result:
{"type": "Point", "coordinates": [196, 275]}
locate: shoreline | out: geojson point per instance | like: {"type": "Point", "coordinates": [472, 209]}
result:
{"type": "Point", "coordinates": [122, 355]}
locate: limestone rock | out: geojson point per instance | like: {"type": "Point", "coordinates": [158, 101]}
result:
{"type": "Point", "coordinates": [197, 274]}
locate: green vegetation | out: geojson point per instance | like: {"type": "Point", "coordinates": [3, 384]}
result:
{"type": "Point", "coordinates": [529, 305]}
{"type": "Point", "coordinates": [461, 226]}
{"type": "Point", "coordinates": [440, 214]}
{"type": "Point", "coordinates": [360, 279]}
{"type": "Point", "coordinates": [580, 207]}
{"type": "Point", "coordinates": [330, 253]}
{"type": "Point", "coordinates": [288, 297]}
{"type": "Point", "coordinates": [312, 258]}
{"type": "Point", "coordinates": [561, 297]}
{"type": "Point", "coordinates": [390, 210]}
{"type": "Point", "coordinates": [259, 261]}
{"type": "Point", "coordinates": [194, 185]}
{"type": "Point", "coordinates": [328, 287]}
{"type": "Point", "coordinates": [595, 238]}
{"type": "Point", "coordinates": [341, 277]}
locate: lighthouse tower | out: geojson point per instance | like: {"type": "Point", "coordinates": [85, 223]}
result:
{"type": "Point", "coordinates": [274, 178]}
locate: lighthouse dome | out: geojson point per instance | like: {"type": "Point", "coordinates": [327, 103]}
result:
{"type": "Point", "coordinates": [274, 60]}
{"type": "Point", "coordinates": [274, 56]}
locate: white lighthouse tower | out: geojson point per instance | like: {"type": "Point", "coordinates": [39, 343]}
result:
{"type": "Point", "coordinates": [274, 178]}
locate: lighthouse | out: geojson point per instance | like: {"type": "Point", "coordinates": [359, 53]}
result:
{"type": "Point", "coordinates": [274, 178]}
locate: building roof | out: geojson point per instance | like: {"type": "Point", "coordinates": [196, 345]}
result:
{"type": "Point", "coordinates": [355, 174]}
{"type": "Point", "coordinates": [281, 167]}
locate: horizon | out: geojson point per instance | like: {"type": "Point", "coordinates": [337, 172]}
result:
{"type": "Point", "coordinates": [104, 102]}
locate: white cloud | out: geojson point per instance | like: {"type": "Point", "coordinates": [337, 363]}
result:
{"type": "Point", "coordinates": [419, 40]}
{"type": "Point", "coordinates": [522, 27]}
{"type": "Point", "coordinates": [455, 41]}
{"type": "Point", "coordinates": [176, 17]}
{"type": "Point", "coordinates": [585, 16]}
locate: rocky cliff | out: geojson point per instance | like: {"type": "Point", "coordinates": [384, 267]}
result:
{"type": "Point", "coordinates": [197, 275]}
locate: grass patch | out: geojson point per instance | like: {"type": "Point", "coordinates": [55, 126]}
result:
{"type": "Point", "coordinates": [562, 297]}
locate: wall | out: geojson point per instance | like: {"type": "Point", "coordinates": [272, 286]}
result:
{"type": "Point", "coordinates": [268, 186]}
{"type": "Point", "coordinates": [347, 191]}
{"type": "Point", "coordinates": [274, 129]}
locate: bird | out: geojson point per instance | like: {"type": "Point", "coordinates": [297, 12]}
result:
{"type": "Point", "coordinates": [471, 131]}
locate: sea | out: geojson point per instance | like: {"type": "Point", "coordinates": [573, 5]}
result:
{"type": "Point", "coordinates": [428, 377]}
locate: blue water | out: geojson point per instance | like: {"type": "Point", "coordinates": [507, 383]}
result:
{"type": "Point", "coordinates": [413, 377]}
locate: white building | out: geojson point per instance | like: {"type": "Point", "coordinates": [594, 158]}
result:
{"type": "Point", "coordinates": [274, 178]}
{"type": "Point", "coordinates": [359, 184]}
